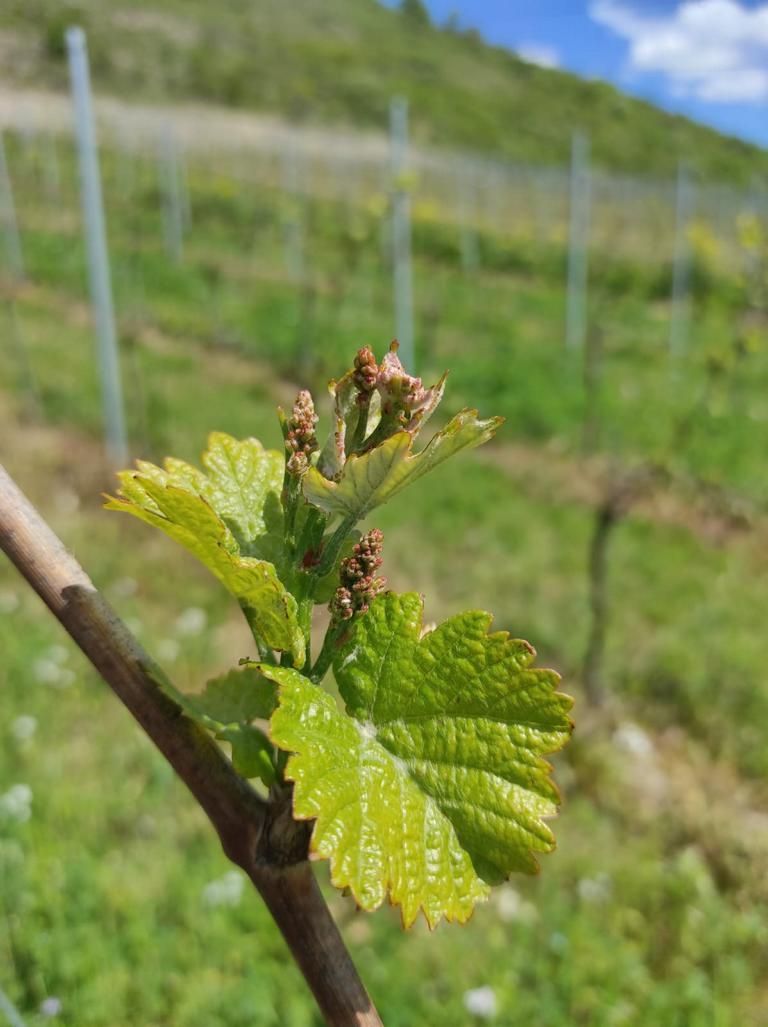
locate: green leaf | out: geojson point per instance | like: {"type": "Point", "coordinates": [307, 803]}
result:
{"type": "Point", "coordinates": [432, 786]}
{"type": "Point", "coordinates": [227, 706]}
{"type": "Point", "coordinates": [227, 519]}
{"type": "Point", "coordinates": [251, 752]}
{"type": "Point", "coordinates": [374, 477]}
{"type": "Point", "coordinates": [241, 695]}
{"type": "Point", "coordinates": [245, 482]}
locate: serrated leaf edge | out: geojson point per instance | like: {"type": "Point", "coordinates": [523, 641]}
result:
{"type": "Point", "coordinates": [332, 860]}
{"type": "Point", "coordinates": [226, 543]}
{"type": "Point", "coordinates": [546, 767]}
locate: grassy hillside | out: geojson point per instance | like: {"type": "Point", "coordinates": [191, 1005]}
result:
{"type": "Point", "coordinates": [341, 60]}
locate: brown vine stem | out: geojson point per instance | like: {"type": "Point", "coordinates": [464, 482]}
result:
{"type": "Point", "coordinates": [260, 837]}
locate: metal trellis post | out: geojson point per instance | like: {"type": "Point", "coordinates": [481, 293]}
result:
{"type": "Point", "coordinates": [10, 225]}
{"type": "Point", "coordinates": [96, 240]}
{"type": "Point", "coordinates": [401, 230]}
{"type": "Point", "coordinates": [173, 201]}
{"type": "Point", "coordinates": [578, 244]}
{"type": "Point", "coordinates": [680, 315]}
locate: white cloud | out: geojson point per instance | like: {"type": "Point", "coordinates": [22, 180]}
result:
{"type": "Point", "coordinates": [538, 53]}
{"type": "Point", "coordinates": [715, 50]}
{"type": "Point", "coordinates": [746, 84]}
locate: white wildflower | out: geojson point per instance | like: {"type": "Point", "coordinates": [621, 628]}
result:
{"type": "Point", "coordinates": [595, 889]}
{"type": "Point", "coordinates": [23, 728]}
{"type": "Point", "coordinates": [512, 907]}
{"type": "Point", "coordinates": [58, 654]}
{"type": "Point", "coordinates": [16, 804]}
{"type": "Point", "coordinates": [49, 667]}
{"type": "Point", "coordinates": [50, 1006]}
{"type": "Point", "coordinates": [191, 621]}
{"type": "Point", "coordinates": [633, 740]}
{"type": "Point", "coordinates": [224, 891]}
{"type": "Point", "coordinates": [46, 671]}
{"type": "Point", "coordinates": [481, 1002]}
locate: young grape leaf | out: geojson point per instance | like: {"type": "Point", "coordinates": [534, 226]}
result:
{"type": "Point", "coordinates": [227, 519]}
{"type": "Point", "coordinates": [243, 486]}
{"type": "Point", "coordinates": [227, 706]}
{"type": "Point", "coordinates": [251, 752]}
{"type": "Point", "coordinates": [432, 786]}
{"type": "Point", "coordinates": [374, 477]}
{"type": "Point", "coordinates": [241, 695]}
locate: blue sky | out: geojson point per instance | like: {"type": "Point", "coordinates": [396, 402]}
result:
{"type": "Point", "coordinates": [707, 59]}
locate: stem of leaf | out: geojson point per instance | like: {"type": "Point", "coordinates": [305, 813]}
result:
{"type": "Point", "coordinates": [325, 657]}
{"type": "Point", "coordinates": [333, 546]}
{"type": "Point", "coordinates": [291, 494]}
{"type": "Point", "coordinates": [311, 533]}
{"type": "Point", "coordinates": [265, 653]}
{"type": "Point", "coordinates": [281, 763]}
{"type": "Point", "coordinates": [305, 623]}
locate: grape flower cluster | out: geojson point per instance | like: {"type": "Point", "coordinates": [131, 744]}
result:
{"type": "Point", "coordinates": [359, 582]}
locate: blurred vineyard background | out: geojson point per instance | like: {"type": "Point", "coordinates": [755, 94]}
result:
{"type": "Point", "coordinates": [619, 522]}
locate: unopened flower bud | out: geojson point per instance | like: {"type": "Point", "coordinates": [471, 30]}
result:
{"type": "Point", "coordinates": [297, 463]}
{"type": "Point", "coordinates": [366, 372]}
{"type": "Point", "coordinates": [405, 402]}
{"type": "Point", "coordinates": [342, 604]}
{"type": "Point", "coordinates": [300, 439]}
{"type": "Point", "coordinates": [370, 546]}
{"type": "Point", "coordinates": [358, 583]}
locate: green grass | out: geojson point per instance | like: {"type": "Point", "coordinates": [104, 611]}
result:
{"type": "Point", "coordinates": [653, 910]}
{"type": "Point", "coordinates": [103, 890]}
